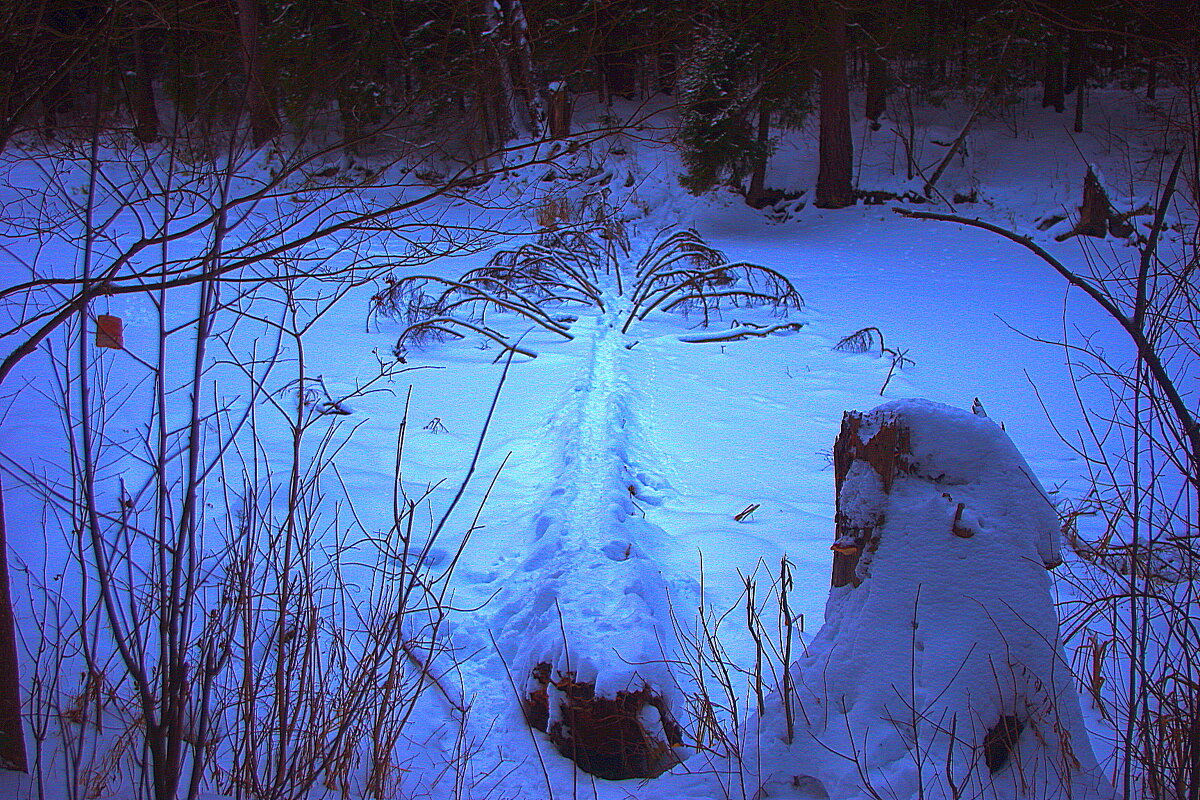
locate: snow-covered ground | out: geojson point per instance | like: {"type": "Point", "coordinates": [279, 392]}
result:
{"type": "Point", "coordinates": [621, 460]}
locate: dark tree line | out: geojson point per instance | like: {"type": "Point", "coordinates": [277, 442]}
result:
{"type": "Point", "coordinates": [484, 72]}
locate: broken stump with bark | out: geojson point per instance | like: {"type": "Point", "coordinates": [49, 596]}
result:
{"type": "Point", "coordinates": [609, 737]}
{"type": "Point", "coordinates": [1096, 215]}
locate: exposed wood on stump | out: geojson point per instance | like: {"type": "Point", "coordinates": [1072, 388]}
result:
{"type": "Point", "coordinates": [12, 738]}
{"type": "Point", "coordinates": [886, 451]}
{"type": "Point", "coordinates": [604, 736]}
{"type": "Point", "coordinates": [1093, 215]}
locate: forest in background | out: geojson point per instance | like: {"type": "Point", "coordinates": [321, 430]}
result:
{"type": "Point", "coordinates": [467, 77]}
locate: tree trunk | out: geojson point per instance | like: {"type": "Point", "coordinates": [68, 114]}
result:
{"type": "Point", "coordinates": [1081, 73]}
{"type": "Point", "coordinates": [501, 94]}
{"type": "Point", "coordinates": [1076, 55]}
{"type": "Point", "coordinates": [1052, 83]}
{"type": "Point", "coordinates": [1080, 96]}
{"type": "Point", "coordinates": [560, 111]}
{"type": "Point", "coordinates": [55, 100]}
{"type": "Point", "coordinates": [619, 73]}
{"type": "Point", "coordinates": [877, 88]}
{"type": "Point", "coordinates": [1151, 78]}
{"type": "Point", "coordinates": [486, 131]}
{"type": "Point", "coordinates": [665, 65]}
{"type": "Point", "coordinates": [520, 61]}
{"type": "Point", "coordinates": [12, 738]}
{"type": "Point", "coordinates": [834, 176]}
{"type": "Point", "coordinates": [756, 192]}
{"type": "Point", "coordinates": [141, 92]}
{"type": "Point", "coordinates": [260, 105]}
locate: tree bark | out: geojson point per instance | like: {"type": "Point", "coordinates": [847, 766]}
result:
{"type": "Point", "coordinates": [260, 105]}
{"type": "Point", "coordinates": [141, 94]}
{"type": "Point", "coordinates": [666, 65]}
{"type": "Point", "coordinates": [758, 176]}
{"type": "Point", "coordinates": [1080, 96]}
{"type": "Point", "coordinates": [12, 738]}
{"type": "Point", "coordinates": [877, 87]}
{"type": "Point", "coordinates": [618, 70]}
{"type": "Point", "coordinates": [1052, 83]}
{"type": "Point", "coordinates": [1081, 73]}
{"type": "Point", "coordinates": [520, 60]}
{"type": "Point", "coordinates": [1076, 56]}
{"type": "Point", "coordinates": [835, 172]}
{"type": "Point", "coordinates": [500, 95]}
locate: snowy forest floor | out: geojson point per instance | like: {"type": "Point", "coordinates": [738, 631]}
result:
{"type": "Point", "coordinates": [691, 434]}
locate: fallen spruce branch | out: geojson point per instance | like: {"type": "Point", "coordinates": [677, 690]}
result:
{"type": "Point", "coordinates": [549, 281]}
{"type": "Point", "coordinates": [865, 340]}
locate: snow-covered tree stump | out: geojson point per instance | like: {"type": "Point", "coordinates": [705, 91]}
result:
{"type": "Point", "coordinates": [609, 737]}
{"type": "Point", "coordinates": [938, 672]}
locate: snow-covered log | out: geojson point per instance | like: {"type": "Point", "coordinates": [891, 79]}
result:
{"type": "Point", "coordinates": [938, 672]}
{"type": "Point", "coordinates": [586, 623]}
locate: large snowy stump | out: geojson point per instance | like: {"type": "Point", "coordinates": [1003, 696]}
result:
{"type": "Point", "coordinates": [871, 451]}
{"type": "Point", "coordinates": [938, 672]}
